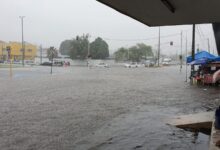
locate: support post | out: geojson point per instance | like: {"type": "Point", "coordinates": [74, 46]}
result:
{"type": "Point", "coordinates": [186, 58]}
{"type": "Point", "coordinates": [193, 52]}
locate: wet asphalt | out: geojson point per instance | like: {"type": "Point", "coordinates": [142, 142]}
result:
{"type": "Point", "coordinates": [114, 108]}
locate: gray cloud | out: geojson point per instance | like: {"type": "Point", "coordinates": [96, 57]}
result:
{"type": "Point", "coordinates": [48, 22]}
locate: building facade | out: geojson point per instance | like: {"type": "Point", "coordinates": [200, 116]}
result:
{"type": "Point", "coordinates": [16, 51]}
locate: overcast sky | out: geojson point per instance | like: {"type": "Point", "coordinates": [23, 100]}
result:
{"type": "Point", "coordinates": [49, 22]}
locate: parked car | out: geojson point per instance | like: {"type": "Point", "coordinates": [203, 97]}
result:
{"type": "Point", "coordinates": [102, 65]}
{"type": "Point", "coordinates": [17, 62]}
{"type": "Point", "coordinates": [46, 64]}
{"type": "Point", "coordinates": [29, 62]}
{"type": "Point", "coordinates": [58, 63]}
{"type": "Point", "coordinates": [166, 61]}
{"type": "Point", "coordinates": [149, 63]}
{"type": "Point", "coordinates": [132, 65]}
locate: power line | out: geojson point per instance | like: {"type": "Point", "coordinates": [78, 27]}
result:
{"type": "Point", "coordinates": [146, 39]}
{"type": "Point", "coordinates": [201, 36]}
{"type": "Point", "coordinates": [201, 31]}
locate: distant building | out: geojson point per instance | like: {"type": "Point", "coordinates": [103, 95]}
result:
{"type": "Point", "coordinates": [41, 56]}
{"type": "Point", "coordinates": [3, 52]}
{"type": "Point", "coordinates": [16, 51]}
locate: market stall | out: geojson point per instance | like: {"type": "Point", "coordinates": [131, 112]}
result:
{"type": "Point", "coordinates": [207, 68]}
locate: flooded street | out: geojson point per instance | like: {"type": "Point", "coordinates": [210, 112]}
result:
{"type": "Point", "coordinates": [100, 109]}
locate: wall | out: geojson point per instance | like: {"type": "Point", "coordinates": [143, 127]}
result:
{"type": "Point", "coordinates": [16, 51]}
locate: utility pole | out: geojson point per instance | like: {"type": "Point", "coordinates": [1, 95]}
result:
{"type": "Point", "coordinates": [2, 52]}
{"type": "Point", "coordinates": [158, 49]}
{"type": "Point", "coordinates": [41, 54]}
{"type": "Point", "coordinates": [128, 55]}
{"type": "Point", "coordinates": [22, 39]}
{"type": "Point", "coordinates": [186, 57]}
{"type": "Point", "coordinates": [52, 51]}
{"type": "Point", "coordinates": [181, 51]}
{"type": "Point", "coordinates": [88, 47]}
{"type": "Point", "coordinates": [88, 53]}
{"type": "Point", "coordinates": [51, 69]}
{"type": "Point", "coordinates": [193, 50]}
{"type": "Point", "coordinates": [197, 48]}
{"type": "Point", "coordinates": [208, 45]}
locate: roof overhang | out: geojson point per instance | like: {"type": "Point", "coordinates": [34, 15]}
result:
{"type": "Point", "coordinates": [168, 12]}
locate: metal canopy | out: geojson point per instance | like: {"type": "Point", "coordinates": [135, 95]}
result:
{"type": "Point", "coordinates": [168, 12]}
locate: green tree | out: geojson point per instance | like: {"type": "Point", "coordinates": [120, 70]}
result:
{"type": "Point", "coordinates": [52, 53]}
{"type": "Point", "coordinates": [65, 47]}
{"type": "Point", "coordinates": [121, 54]}
{"type": "Point", "coordinates": [145, 49]}
{"type": "Point", "coordinates": [134, 53]}
{"type": "Point", "coordinates": [99, 49]}
{"type": "Point", "coordinates": [79, 47]}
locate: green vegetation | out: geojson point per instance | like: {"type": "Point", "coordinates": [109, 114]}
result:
{"type": "Point", "coordinates": [134, 53]}
{"type": "Point", "coordinates": [77, 48]}
{"type": "Point", "coordinates": [65, 47]}
{"type": "Point", "coordinates": [99, 49]}
{"type": "Point", "coordinates": [52, 53]}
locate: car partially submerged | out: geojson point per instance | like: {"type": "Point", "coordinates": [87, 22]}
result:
{"type": "Point", "coordinates": [166, 61]}
{"type": "Point", "coordinates": [132, 65]}
{"type": "Point", "coordinates": [102, 65]}
{"type": "Point", "coordinates": [149, 63]}
{"type": "Point", "coordinates": [46, 64]}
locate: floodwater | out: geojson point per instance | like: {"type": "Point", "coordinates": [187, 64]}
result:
{"type": "Point", "coordinates": [100, 109]}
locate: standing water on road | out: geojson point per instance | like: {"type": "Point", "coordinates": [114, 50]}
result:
{"type": "Point", "coordinates": [101, 109]}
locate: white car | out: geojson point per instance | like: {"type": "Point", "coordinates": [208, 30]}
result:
{"type": "Point", "coordinates": [102, 65]}
{"type": "Point", "coordinates": [165, 63]}
{"type": "Point", "coordinates": [149, 63]}
{"type": "Point", "coordinates": [132, 65]}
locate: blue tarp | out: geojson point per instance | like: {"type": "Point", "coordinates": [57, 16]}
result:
{"type": "Point", "coordinates": [204, 56]}
{"type": "Point", "coordinates": [198, 62]}
{"type": "Point", "coordinates": [217, 59]}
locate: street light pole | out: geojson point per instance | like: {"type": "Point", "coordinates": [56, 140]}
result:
{"type": "Point", "coordinates": [22, 38]}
